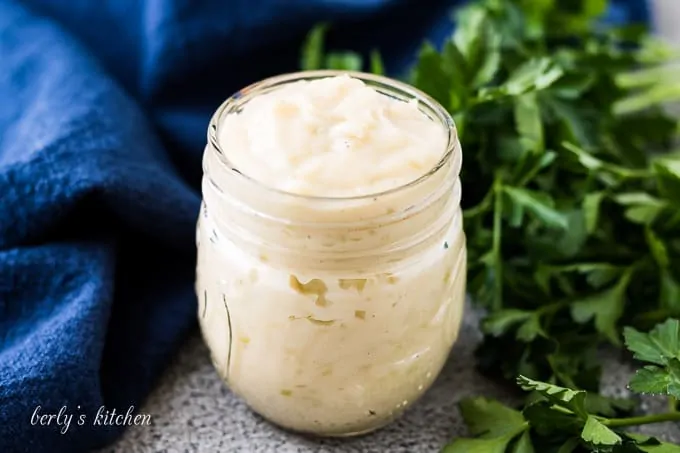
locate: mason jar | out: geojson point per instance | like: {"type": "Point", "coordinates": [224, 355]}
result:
{"type": "Point", "coordinates": [330, 316]}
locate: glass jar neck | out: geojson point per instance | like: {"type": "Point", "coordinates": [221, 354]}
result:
{"type": "Point", "coordinates": [324, 231]}
{"type": "Point", "coordinates": [331, 233]}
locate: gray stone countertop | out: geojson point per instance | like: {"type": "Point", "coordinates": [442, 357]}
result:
{"type": "Point", "coordinates": [193, 411]}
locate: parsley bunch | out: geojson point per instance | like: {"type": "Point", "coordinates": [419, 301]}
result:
{"type": "Point", "coordinates": [562, 420]}
{"type": "Point", "coordinates": [571, 202]}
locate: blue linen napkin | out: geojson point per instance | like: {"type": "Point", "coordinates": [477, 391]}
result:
{"type": "Point", "coordinates": [103, 115]}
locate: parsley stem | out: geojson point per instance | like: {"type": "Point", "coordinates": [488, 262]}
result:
{"type": "Point", "coordinates": [562, 410]}
{"type": "Point", "coordinates": [647, 76]}
{"type": "Point", "coordinates": [552, 308]}
{"type": "Point", "coordinates": [642, 420]}
{"type": "Point", "coordinates": [591, 162]}
{"type": "Point", "coordinates": [497, 218]}
{"type": "Point", "coordinates": [657, 94]}
{"type": "Point", "coordinates": [481, 207]}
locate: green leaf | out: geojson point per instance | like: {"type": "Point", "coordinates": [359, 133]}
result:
{"type": "Point", "coordinates": [535, 13]}
{"type": "Point", "coordinates": [459, 119]}
{"type": "Point", "coordinates": [661, 346]}
{"type": "Point", "coordinates": [658, 249]}
{"type": "Point", "coordinates": [530, 329]}
{"type": "Point", "coordinates": [524, 444]}
{"type": "Point", "coordinates": [500, 322]}
{"type": "Point", "coordinates": [601, 276]}
{"type": "Point", "coordinates": [573, 400]}
{"type": "Point", "coordinates": [645, 215]}
{"type": "Point", "coordinates": [530, 164]}
{"type": "Point", "coordinates": [641, 207]}
{"type": "Point", "coordinates": [573, 85]}
{"type": "Point", "coordinates": [607, 172]}
{"type": "Point", "coordinates": [346, 61]}
{"type": "Point", "coordinates": [539, 205]}
{"type": "Point", "coordinates": [594, 8]}
{"type": "Point", "coordinates": [312, 51]}
{"type": "Point", "coordinates": [658, 381]}
{"type": "Point", "coordinates": [535, 74]}
{"type": "Point", "coordinates": [454, 64]}
{"type": "Point", "coordinates": [571, 240]}
{"type": "Point", "coordinates": [591, 210]}
{"type": "Point", "coordinates": [586, 159]}
{"type": "Point", "coordinates": [478, 42]}
{"type": "Point", "coordinates": [465, 445]}
{"type": "Point", "coordinates": [516, 215]}
{"type": "Point", "coordinates": [430, 75]}
{"type": "Point", "coordinates": [647, 98]}
{"type": "Point", "coordinates": [468, 35]}
{"type": "Point", "coordinates": [546, 420]}
{"type": "Point", "coordinates": [597, 404]}
{"type": "Point", "coordinates": [488, 418]}
{"type": "Point", "coordinates": [596, 433]}
{"type": "Point", "coordinates": [597, 274]}
{"type": "Point", "coordinates": [455, 68]}
{"type": "Point", "coordinates": [578, 17]}
{"type": "Point", "coordinates": [570, 445]}
{"type": "Point", "coordinates": [606, 307]}
{"type": "Point", "coordinates": [669, 297]}
{"type": "Point", "coordinates": [578, 127]}
{"type": "Point", "coordinates": [636, 198]}
{"type": "Point", "coordinates": [668, 178]}
{"type": "Point", "coordinates": [542, 276]}
{"type": "Point", "coordinates": [658, 346]}
{"type": "Point", "coordinates": [528, 121]}
{"type": "Point", "coordinates": [495, 424]}
{"type": "Point", "coordinates": [489, 67]}
{"type": "Point", "coordinates": [377, 66]}
{"type": "Point", "coordinates": [661, 448]}
{"type": "Point", "coordinates": [651, 445]}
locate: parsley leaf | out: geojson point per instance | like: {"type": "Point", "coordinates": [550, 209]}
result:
{"type": "Point", "coordinates": [539, 204]}
{"type": "Point", "coordinates": [661, 346]}
{"type": "Point", "coordinates": [488, 418]}
{"type": "Point", "coordinates": [574, 400]}
{"type": "Point", "coordinates": [658, 381]}
{"type": "Point", "coordinates": [313, 50]}
{"type": "Point", "coordinates": [555, 419]}
{"type": "Point", "coordinates": [523, 444]}
{"type": "Point", "coordinates": [494, 425]}
{"type": "Point", "coordinates": [658, 346]}
{"type": "Point", "coordinates": [606, 307]}
{"type": "Point", "coordinates": [595, 433]}
{"type": "Point", "coordinates": [466, 445]}
{"type": "Point", "coordinates": [346, 60]}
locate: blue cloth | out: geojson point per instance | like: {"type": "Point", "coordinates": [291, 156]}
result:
{"type": "Point", "coordinates": [103, 113]}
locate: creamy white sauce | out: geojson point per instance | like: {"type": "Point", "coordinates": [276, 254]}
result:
{"type": "Point", "coordinates": [332, 137]}
{"type": "Point", "coordinates": [319, 325]}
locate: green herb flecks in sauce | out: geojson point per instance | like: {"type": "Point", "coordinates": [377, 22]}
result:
{"type": "Point", "coordinates": [349, 283]}
{"type": "Point", "coordinates": [315, 287]}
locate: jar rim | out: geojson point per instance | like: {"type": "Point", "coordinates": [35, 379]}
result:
{"type": "Point", "coordinates": [235, 100]}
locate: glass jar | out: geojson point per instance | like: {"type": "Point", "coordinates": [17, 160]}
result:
{"type": "Point", "coordinates": [330, 316]}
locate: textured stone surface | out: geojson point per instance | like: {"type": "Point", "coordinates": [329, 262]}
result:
{"type": "Point", "coordinates": [192, 411]}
